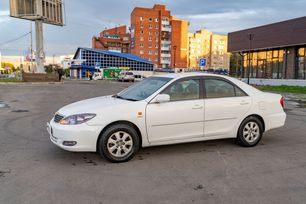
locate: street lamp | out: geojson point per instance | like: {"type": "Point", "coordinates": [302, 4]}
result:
{"type": "Point", "coordinates": [174, 48]}
{"type": "Point", "coordinates": [250, 37]}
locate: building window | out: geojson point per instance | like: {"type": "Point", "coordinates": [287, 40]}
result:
{"type": "Point", "coordinates": [150, 19]}
{"type": "Point", "coordinates": [141, 44]}
{"type": "Point", "coordinates": [141, 39]}
{"type": "Point", "coordinates": [264, 64]}
{"type": "Point", "coordinates": [156, 46]}
{"type": "Point", "coordinates": [156, 19]}
{"type": "Point", "coordinates": [150, 26]}
{"type": "Point", "coordinates": [141, 18]}
{"type": "Point", "coordinates": [156, 40]}
{"type": "Point", "coordinates": [301, 61]}
{"type": "Point", "coordinates": [156, 33]}
{"type": "Point", "coordinates": [156, 26]}
{"type": "Point", "coordinates": [156, 53]}
{"type": "Point", "coordinates": [150, 52]}
{"type": "Point", "coordinates": [150, 39]}
{"type": "Point", "coordinates": [141, 52]}
{"type": "Point", "coordinates": [150, 45]}
{"type": "Point", "coordinates": [141, 32]}
{"type": "Point", "coordinates": [150, 33]}
{"type": "Point", "coordinates": [141, 25]}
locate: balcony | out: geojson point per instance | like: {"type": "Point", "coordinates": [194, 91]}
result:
{"type": "Point", "coordinates": [166, 28]}
{"type": "Point", "coordinates": [165, 61]}
{"type": "Point", "coordinates": [165, 42]}
{"type": "Point", "coordinates": [165, 23]}
{"type": "Point", "coordinates": [165, 55]}
{"type": "Point", "coordinates": [165, 48]}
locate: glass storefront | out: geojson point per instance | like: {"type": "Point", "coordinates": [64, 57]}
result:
{"type": "Point", "coordinates": [264, 64]}
{"type": "Point", "coordinates": [301, 63]}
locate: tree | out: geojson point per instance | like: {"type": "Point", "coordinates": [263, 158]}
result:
{"type": "Point", "coordinates": [51, 68]}
{"type": "Point", "coordinates": [235, 64]}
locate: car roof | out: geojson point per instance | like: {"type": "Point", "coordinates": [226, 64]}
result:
{"type": "Point", "coordinates": [183, 75]}
{"type": "Point", "coordinates": [239, 83]}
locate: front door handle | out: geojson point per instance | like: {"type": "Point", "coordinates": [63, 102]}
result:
{"type": "Point", "coordinates": [197, 107]}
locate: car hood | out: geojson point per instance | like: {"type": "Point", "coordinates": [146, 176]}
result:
{"type": "Point", "coordinates": [92, 105]}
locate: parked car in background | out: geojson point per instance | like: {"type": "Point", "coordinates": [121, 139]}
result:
{"type": "Point", "coordinates": [126, 76]}
{"type": "Point", "coordinates": [167, 109]}
{"type": "Point", "coordinates": [139, 77]}
{"type": "Point", "coordinates": [97, 76]}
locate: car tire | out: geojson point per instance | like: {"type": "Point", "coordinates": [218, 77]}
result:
{"type": "Point", "coordinates": [250, 132]}
{"type": "Point", "coordinates": [118, 143]}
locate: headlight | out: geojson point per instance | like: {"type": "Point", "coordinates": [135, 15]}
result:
{"type": "Point", "coordinates": [77, 119]}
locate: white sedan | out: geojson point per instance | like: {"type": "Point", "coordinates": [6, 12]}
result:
{"type": "Point", "coordinates": [167, 109]}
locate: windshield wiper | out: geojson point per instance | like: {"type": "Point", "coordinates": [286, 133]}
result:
{"type": "Point", "coordinates": [120, 97]}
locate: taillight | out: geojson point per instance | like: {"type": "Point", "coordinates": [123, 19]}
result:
{"type": "Point", "coordinates": [282, 102]}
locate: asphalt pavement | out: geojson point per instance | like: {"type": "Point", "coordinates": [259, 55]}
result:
{"type": "Point", "coordinates": [33, 170]}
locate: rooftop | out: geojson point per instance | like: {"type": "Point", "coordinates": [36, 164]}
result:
{"type": "Point", "coordinates": [123, 55]}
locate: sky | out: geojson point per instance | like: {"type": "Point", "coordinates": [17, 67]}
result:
{"type": "Point", "coordinates": [87, 18]}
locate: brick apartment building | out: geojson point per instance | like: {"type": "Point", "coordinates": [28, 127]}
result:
{"type": "Point", "coordinates": [212, 47]}
{"type": "Point", "coordinates": [114, 39]}
{"type": "Point", "coordinates": [159, 37]}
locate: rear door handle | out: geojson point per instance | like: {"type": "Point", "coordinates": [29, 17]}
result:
{"type": "Point", "coordinates": [197, 107]}
{"type": "Point", "coordinates": [244, 103]}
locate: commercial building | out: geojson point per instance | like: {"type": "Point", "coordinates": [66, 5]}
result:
{"type": "Point", "coordinates": [203, 44]}
{"type": "Point", "coordinates": [272, 51]}
{"type": "Point", "coordinates": [91, 60]}
{"type": "Point", "coordinates": [114, 39]}
{"type": "Point", "coordinates": [159, 37]}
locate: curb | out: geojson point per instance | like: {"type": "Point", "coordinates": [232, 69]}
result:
{"type": "Point", "coordinates": [33, 83]}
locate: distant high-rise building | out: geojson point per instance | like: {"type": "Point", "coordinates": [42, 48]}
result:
{"type": "Point", "coordinates": [203, 44]}
{"type": "Point", "coordinates": [114, 39]}
{"type": "Point", "coordinates": [159, 37]}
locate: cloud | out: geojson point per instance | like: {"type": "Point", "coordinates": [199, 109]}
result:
{"type": "Point", "coordinates": [85, 19]}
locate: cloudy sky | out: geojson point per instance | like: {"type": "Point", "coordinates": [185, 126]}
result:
{"type": "Point", "coordinates": [85, 18]}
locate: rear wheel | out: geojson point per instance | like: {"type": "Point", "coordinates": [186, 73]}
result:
{"type": "Point", "coordinates": [250, 132]}
{"type": "Point", "coordinates": [119, 143]}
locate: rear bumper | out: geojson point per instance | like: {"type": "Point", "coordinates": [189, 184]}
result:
{"type": "Point", "coordinates": [274, 120]}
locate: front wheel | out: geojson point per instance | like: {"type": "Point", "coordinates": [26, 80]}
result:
{"type": "Point", "coordinates": [119, 143]}
{"type": "Point", "coordinates": [250, 132]}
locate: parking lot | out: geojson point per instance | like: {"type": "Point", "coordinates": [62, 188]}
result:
{"type": "Point", "coordinates": [33, 170]}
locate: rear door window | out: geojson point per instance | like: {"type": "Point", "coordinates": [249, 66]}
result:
{"type": "Point", "coordinates": [218, 88]}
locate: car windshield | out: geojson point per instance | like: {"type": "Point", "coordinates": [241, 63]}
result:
{"type": "Point", "coordinates": [143, 89]}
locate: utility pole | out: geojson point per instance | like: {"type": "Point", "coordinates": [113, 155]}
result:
{"type": "Point", "coordinates": [174, 48]}
{"type": "Point", "coordinates": [250, 37]}
{"type": "Point", "coordinates": [31, 47]}
{"type": "Point", "coordinates": [39, 46]}
{"type": "Point", "coordinates": [39, 41]}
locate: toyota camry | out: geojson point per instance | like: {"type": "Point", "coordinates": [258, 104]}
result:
{"type": "Point", "coordinates": [167, 109]}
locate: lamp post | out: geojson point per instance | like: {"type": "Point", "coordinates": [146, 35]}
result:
{"type": "Point", "coordinates": [174, 59]}
{"type": "Point", "coordinates": [250, 37]}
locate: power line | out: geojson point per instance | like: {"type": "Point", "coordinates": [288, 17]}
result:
{"type": "Point", "coordinates": [15, 39]}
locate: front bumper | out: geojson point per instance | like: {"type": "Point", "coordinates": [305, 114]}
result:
{"type": "Point", "coordinates": [84, 135]}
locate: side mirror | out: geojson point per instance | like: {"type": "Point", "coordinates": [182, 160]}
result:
{"type": "Point", "coordinates": [161, 98]}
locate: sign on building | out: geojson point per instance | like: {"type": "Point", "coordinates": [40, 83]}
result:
{"type": "Point", "coordinates": [202, 62]}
